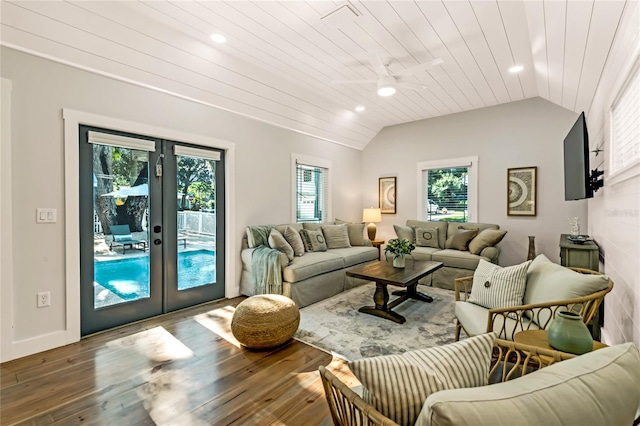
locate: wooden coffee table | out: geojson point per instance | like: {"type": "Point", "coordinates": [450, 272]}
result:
{"type": "Point", "coordinates": [383, 273]}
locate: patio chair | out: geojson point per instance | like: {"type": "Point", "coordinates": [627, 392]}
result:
{"type": "Point", "coordinates": [122, 237]}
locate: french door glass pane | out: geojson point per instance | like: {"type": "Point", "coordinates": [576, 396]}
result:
{"type": "Point", "coordinates": [120, 222]}
{"type": "Point", "coordinates": [196, 218]}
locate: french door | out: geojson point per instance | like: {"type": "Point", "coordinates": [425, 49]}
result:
{"type": "Point", "coordinates": [151, 227]}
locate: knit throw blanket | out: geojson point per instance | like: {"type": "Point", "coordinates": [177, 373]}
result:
{"type": "Point", "coordinates": [265, 271]}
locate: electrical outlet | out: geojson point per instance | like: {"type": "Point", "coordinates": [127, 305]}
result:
{"type": "Point", "coordinates": [44, 299]}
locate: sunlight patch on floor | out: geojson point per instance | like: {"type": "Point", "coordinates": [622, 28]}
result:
{"type": "Point", "coordinates": [156, 344]}
{"type": "Point", "coordinates": [219, 322]}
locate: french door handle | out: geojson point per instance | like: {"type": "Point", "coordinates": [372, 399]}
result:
{"type": "Point", "coordinates": [157, 241]}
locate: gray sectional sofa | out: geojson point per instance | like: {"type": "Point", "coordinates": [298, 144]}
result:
{"type": "Point", "coordinates": [457, 263]}
{"type": "Point", "coordinates": [315, 275]}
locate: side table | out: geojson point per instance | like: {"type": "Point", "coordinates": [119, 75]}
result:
{"type": "Point", "coordinates": [538, 339]}
{"type": "Point", "coordinates": [378, 244]}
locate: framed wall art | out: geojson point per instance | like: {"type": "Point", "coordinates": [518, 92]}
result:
{"type": "Point", "coordinates": [387, 195]}
{"type": "Point", "coordinates": [522, 190]}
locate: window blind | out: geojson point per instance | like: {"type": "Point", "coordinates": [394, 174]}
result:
{"type": "Point", "coordinates": [311, 193]}
{"type": "Point", "coordinates": [625, 126]}
{"type": "Point", "coordinates": [121, 141]}
{"type": "Point", "coordinates": [445, 193]}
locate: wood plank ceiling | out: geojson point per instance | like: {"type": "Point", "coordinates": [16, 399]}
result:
{"type": "Point", "coordinates": [280, 57]}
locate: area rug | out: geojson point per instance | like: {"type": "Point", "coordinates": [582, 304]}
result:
{"type": "Point", "coordinates": [336, 326]}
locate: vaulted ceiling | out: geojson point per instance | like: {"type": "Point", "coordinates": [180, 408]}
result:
{"type": "Point", "coordinates": [281, 57]}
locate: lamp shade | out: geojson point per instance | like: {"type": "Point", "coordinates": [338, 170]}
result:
{"type": "Point", "coordinates": [371, 215]}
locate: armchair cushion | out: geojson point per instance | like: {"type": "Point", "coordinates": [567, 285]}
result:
{"type": "Point", "coordinates": [474, 320]}
{"type": "Point", "coordinates": [498, 287]}
{"type": "Point", "coordinates": [397, 385]}
{"type": "Point", "coordinates": [548, 281]}
{"type": "Point", "coordinates": [600, 388]}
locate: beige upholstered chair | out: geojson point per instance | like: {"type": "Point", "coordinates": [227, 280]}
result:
{"type": "Point", "coordinates": [506, 322]}
{"type": "Point", "coordinates": [510, 360]}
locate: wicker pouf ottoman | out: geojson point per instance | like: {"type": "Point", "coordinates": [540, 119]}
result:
{"type": "Point", "coordinates": [265, 321]}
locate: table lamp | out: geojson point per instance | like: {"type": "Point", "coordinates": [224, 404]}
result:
{"type": "Point", "coordinates": [371, 215]}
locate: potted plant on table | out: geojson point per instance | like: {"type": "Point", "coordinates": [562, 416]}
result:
{"type": "Point", "coordinates": [399, 248]}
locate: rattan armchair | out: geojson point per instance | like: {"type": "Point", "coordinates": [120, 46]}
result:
{"type": "Point", "coordinates": [526, 315]}
{"type": "Point", "coordinates": [510, 360]}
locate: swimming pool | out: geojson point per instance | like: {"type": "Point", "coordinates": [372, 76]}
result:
{"type": "Point", "coordinates": [129, 278]}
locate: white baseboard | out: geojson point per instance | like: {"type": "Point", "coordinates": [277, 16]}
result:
{"type": "Point", "coordinates": [40, 343]}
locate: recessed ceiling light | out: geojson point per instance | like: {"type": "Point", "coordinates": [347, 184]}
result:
{"type": "Point", "coordinates": [516, 68]}
{"type": "Point", "coordinates": [218, 38]}
{"type": "Point", "coordinates": [360, 108]}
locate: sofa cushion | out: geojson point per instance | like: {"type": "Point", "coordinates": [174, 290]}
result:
{"type": "Point", "coordinates": [457, 258]}
{"type": "Point", "coordinates": [356, 232]}
{"type": "Point", "coordinates": [278, 242]}
{"type": "Point", "coordinates": [315, 226]}
{"type": "Point", "coordinates": [258, 235]}
{"type": "Point", "coordinates": [310, 265]}
{"type": "Point", "coordinates": [427, 237]}
{"type": "Point", "coordinates": [398, 385]}
{"type": "Point", "coordinates": [460, 239]}
{"type": "Point", "coordinates": [313, 240]}
{"type": "Point", "coordinates": [441, 226]}
{"type": "Point", "coordinates": [423, 253]}
{"type": "Point", "coordinates": [486, 238]}
{"type": "Point", "coordinates": [548, 281]}
{"type": "Point", "coordinates": [452, 227]}
{"type": "Point", "coordinates": [292, 235]}
{"type": "Point", "coordinates": [405, 233]}
{"type": "Point", "coordinates": [297, 226]}
{"type": "Point", "coordinates": [598, 388]}
{"type": "Point", "coordinates": [336, 236]}
{"type": "Point", "coordinates": [474, 320]}
{"type": "Point", "coordinates": [498, 287]}
{"type": "Point", "coordinates": [354, 255]}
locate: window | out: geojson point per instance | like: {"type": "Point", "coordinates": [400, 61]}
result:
{"type": "Point", "coordinates": [448, 190]}
{"type": "Point", "coordinates": [625, 125]}
{"type": "Point", "coordinates": [311, 195]}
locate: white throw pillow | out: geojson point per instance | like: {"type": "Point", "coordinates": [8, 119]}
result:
{"type": "Point", "coordinates": [498, 287]}
{"type": "Point", "coordinates": [398, 385]}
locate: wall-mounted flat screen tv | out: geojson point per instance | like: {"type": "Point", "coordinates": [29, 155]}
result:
{"type": "Point", "coordinates": [577, 184]}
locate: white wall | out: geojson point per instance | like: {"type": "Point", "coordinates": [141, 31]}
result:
{"type": "Point", "coordinates": [41, 88]}
{"type": "Point", "coordinates": [518, 134]}
{"type": "Point", "coordinates": [614, 212]}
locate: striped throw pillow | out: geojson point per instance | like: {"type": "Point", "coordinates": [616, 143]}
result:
{"type": "Point", "coordinates": [498, 287]}
{"type": "Point", "coordinates": [336, 236]}
{"type": "Point", "coordinates": [398, 385]}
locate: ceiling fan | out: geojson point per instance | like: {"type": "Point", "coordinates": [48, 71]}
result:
{"type": "Point", "coordinates": [387, 81]}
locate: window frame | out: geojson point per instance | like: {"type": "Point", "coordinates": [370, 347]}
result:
{"type": "Point", "coordinates": [311, 161]}
{"type": "Point", "coordinates": [472, 163]}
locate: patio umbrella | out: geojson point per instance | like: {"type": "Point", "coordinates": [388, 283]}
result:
{"type": "Point", "coordinates": [135, 191]}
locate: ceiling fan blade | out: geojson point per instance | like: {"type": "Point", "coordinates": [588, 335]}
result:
{"type": "Point", "coordinates": [420, 67]}
{"type": "Point", "coordinates": [378, 66]}
{"type": "Point", "coordinates": [352, 81]}
{"type": "Point", "coordinates": [413, 86]}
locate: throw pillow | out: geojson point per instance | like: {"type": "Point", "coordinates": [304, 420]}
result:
{"type": "Point", "coordinates": [460, 240]}
{"type": "Point", "coordinates": [548, 281]}
{"type": "Point", "coordinates": [313, 240]}
{"type": "Point", "coordinates": [427, 237]}
{"type": "Point", "coordinates": [497, 287]}
{"type": "Point", "coordinates": [336, 236]}
{"type": "Point", "coordinates": [398, 385]}
{"type": "Point", "coordinates": [278, 242]}
{"type": "Point", "coordinates": [404, 233]}
{"type": "Point", "coordinates": [486, 238]}
{"type": "Point", "coordinates": [295, 241]}
{"type": "Point", "coordinates": [258, 235]}
{"type": "Point", "coordinates": [356, 232]}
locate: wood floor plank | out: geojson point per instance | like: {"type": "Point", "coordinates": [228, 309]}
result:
{"type": "Point", "coordinates": [180, 368]}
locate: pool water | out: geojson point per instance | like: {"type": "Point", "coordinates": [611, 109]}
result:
{"type": "Point", "coordinates": [129, 278]}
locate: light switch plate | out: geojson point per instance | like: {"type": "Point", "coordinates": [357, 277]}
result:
{"type": "Point", "coordinates": [46, 215]}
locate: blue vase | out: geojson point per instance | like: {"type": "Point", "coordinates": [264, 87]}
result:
{"type": "Point", "coordinates": [568, 333]}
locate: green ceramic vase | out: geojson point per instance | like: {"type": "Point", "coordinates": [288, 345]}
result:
{"type": "Point", "coordinates": [568, 333]}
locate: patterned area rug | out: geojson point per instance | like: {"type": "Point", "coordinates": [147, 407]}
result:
{"type": "Point", "coordinates": [336, 326]}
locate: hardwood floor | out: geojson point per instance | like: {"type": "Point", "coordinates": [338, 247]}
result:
{"type": "Point", "coordinates": [183, 368]}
